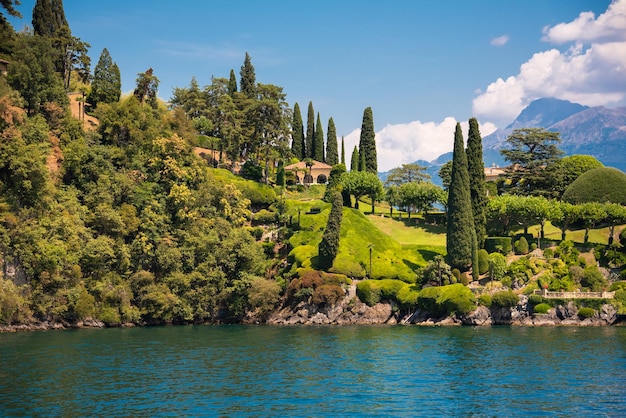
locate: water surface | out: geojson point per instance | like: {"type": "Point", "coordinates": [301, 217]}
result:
{"type": "Point", "coordinates": [315, 371]}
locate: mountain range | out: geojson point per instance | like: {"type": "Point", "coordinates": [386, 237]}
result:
{"type": "Point", "coordinates": [596, 131]}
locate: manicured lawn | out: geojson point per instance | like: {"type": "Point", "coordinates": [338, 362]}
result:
{"type": "Point", "coordinates": [415, 233]}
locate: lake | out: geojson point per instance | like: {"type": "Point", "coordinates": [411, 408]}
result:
{"type": "Point", "coordinates": [312, 371]}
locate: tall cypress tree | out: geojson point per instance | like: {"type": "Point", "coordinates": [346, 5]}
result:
{"type": "Point", "coordinates": [367, 143]}
{"type": "Point", "coordinates": [476, 170]}
{"type": "Point", "coordinates": [310, 131]}
{"type": "Point", "coordinates": [248, 78]}
{"type": "Point", "coordinates": [332, 156]}
{"type": "Point", "coordinates": [461, 235]}
{"type": "Point", "coordinates": [329, 246]}
{"type": "Point", "coordinates": [297, 134]}
{"type": "Point", "coordinates": [106, 86]}
{"type": "Point", "coordinates": [232, 83]}
{"type": "Point", "coordinates": [48, 17]}
{"type": "Point", "coordinates": [354, 160]}
{"type": "Point", "coordinates": [343, 151]}
{"type": "Point", "coordinates": [318, 141]}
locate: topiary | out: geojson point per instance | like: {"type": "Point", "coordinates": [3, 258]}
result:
{"type": "Point", "coordinates": [603, 184]}
{"type": "Point", "coordinates": [483, 261]}
{"type": "Point", "coordinates": [541, 308]}
{"type": "Point", "coordinates": [521, 246]}
{"type": "Point", "coordinates": [584, 313]}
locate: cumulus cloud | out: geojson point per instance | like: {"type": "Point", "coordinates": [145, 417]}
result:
{"type": "Point", "coordinates": [592, 75]}
{"type": "Point", "coordinates": [500, 40]}
{"type": "Point", "coordinates": [408, 142]}
{"type": "Point", "coordinates": [610, 26]}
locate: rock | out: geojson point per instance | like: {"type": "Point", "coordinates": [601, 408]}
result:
{"type": "Point", "coordinates": [570, 310]}
{"type": "Point", "coordinates": [608, 314]}
{"type": "Point", "coordinates": [481, 316]}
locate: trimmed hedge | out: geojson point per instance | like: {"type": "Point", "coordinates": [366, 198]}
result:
{"type": "Point", "coordinates": [446, 300]}
{"type": "Point", "coordinates": [541, 308]}
{"type": "Point", "coordinates": [372, 292]}
{"type": "Point", "coordinates": [501, 245]}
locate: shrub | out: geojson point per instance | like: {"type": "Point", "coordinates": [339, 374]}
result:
{"type": "Point", "coordinates": [533, 246]}
{"type": "Point", "coordinates": [498, 244]}
{"type": "Point", "coordinates": [368, 292]}
{"type": "Point", "coordinates": [464, 279]}
{"type": "Point", "coordinates": [264, 217]}
{"type": "Point", "coordinates": [483, 261]}
{"type": "Point", "coordinates": [263, 295]}
{"type": "Point", "coordinates": [535, 299]}
{"type": "Point", "coordinates": [521, 246]}
{"type": "Point", "coordinates": [456, 273]}
{"type": "Point", "coordinates": [446, 300]}
{"type": "Point", "coordinates": [593, 279]}
{"type": "Point", "coordinates": [497, 263]}
{"type": "Point", "coordinates": [251, 170]}
{"type": "Point", "coordinates": [541, 308]}
{"type": "Point", "coordinates": [327, 294]}
{"type": "Point", "coordinates": [548, 253]}
{"type": "Point", "coordinates": [504, 299]}
{"type": "Point", "coordinates": [485, 300]}
{"type": "Point", "coordinates": [584, 313]}
{"type": "Point", "coordinates": [576, 273]}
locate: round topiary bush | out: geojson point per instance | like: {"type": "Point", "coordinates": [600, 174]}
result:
{"type": "Point", "coordinates": [584, 313]}
{"type": "Point", "coordinates": [603, 184]}
{"type": "Point", "coordinates": [521, 246]}
{"type": "Point", "coordinates": [541, 308]}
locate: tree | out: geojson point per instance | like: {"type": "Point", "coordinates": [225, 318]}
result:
{"type": "Point", "coordinates": [367, 142]}
{"type": "Point", "coordinates": [329, 246]}
{"type": "Point", "coordinates": [476, 170]}
{"type": "Point", "coordinates": [419, 196]}
{"type": "Point", "coordinates": [107, 83]}
{"type": "Point", "coordinates": [343, 151]}
{"type": "Point", "coordinates": [232, 83]}
{"type": "Point", "coordinates": [318, 141]}
{"type": "Point", "coordinates": [248, 78]}
{"type": "Point", "coordinates": [354, 160]}
{"type": "Point", "coordinates": [362, 183]}
{"type": "Point", "coordinates": [334, 181]}
{"type": "Point", "coordinates": [147, 88]}
{"type": "Point", "coordinates": [530, 151]}
{"type": "Point", "coordinates": [393, 197]}
{"type": "Point", "coordinates": [408, 173]}
{"type": "Point", "coordinates": [331, 144]}
{"type": "Point", "coordinates": [603, 184]}
{"type": "Point", "coordinates": [298, 145]}
{"type": "Point", "coordinates": [461, 235]}
{"type": "Point", "coordinates": [566, 170]}
{"type": "Point", "coordinates": [564, 215]}
{"type": "Point", "coordinates": [8, 5]}
{"type": "Point", "coordinates": [445, 174]}
{"type": "Point", "coordinates": [591, 214]}
{"type": "Point", "coordinates": [310, 132]}
{"type": "Point", "coordinates": [48, 17]}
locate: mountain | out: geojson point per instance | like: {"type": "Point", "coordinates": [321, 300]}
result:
{"type": "Point", "coordinates": [596, 131]}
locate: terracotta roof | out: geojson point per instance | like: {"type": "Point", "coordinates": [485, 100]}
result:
{"type": "Point", "coordinates": [302, 165]}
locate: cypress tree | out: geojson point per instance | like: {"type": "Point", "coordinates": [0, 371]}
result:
{"type": "Point", "coordinates": [318, 141]}
{"type": "Point", "coordinates": [331, 144]}
{"type": "Point", "coordinates": [476, 170]}
{"type": "Point", "coordinates": [333, 181]}
{"type": "Point", "coordinates": [48, 17]}
{"type": "Point", "coordinates": [367, 143]}
{"type": "Point", "coordinates": [329, 246]}
{"type": "Point", "coordinates": [362, 162]}
{"type": "Point", "coordinates": [232, 83]}
{"type": "Point", "coordinates": [354, 161]}
{"type": "Point", "coordinates": [248, 78]}
{"type": "Point", "coordinates": [297, 134]}
{"type": "Point", "coordinates": [310, 131]}
{"type": "Point", "coordinates": [461, 235]}
{"type": "Point", "coordinates": [343, 151]}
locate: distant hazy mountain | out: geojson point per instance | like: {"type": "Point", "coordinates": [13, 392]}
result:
{"type": "Point", "coordinates": [596, 131]}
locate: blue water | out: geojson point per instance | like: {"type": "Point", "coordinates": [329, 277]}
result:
{"type": "Point", "coordinates": [315, 371]}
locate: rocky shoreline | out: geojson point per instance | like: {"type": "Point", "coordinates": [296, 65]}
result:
{"type": "Point", "coordinates": [352, 311]}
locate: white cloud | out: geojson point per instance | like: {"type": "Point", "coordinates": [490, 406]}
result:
{"type": "Point", "coordinates": [593, 75]}
{"type": "Point", "coordinates": [500, 40]}
{"type": "Point", "coordinates": [408, 142]}
{"type": "Point", "coordinates": [610, 26]}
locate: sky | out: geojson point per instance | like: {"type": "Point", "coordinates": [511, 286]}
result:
{"type": "Point", "coordinates": [420, 65]}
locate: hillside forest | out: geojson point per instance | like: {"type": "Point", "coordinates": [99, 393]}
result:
{"type": "Point", "coordinates": [127, 209]}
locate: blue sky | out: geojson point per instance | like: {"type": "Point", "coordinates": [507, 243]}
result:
{"type": "Point", "coordinates": [421, 65]}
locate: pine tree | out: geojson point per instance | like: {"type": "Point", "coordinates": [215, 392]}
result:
{"type": "Point", "coordinates": [354, 161]}
{"type": "Point", "coordinates": [476, 170]}
{"type": "Point", "coordinates": [461, 235]}
{"type": "Point", "coordinates": [248, 78]}
{"type": "Point", "coordinates": [318, 141]}
{"type": "Point", "coordinates": [310, 131]}
{"type": "Point", "coordinates": [147, 88]}
{"type": "Point", "coordinates": [329, 246]}
{"type": "Point", "coordinates": [331, 144]}
{"type": "Point", "coordinates": [297, 134]}
{"type": "Point", "coordinates": [343, 151]}
{"type": "Point", "coordinates": [367, 143]}
{"type": "Point", "coordinates": [232, 83]}
{"type": "Point", "coordinates": [106, 86]}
